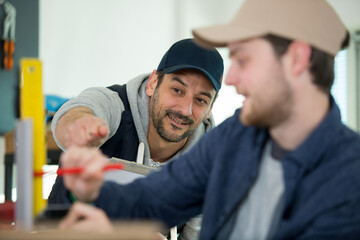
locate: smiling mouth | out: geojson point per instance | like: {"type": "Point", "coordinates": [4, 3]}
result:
{"type": "Point", "coordinates": [176, 120]}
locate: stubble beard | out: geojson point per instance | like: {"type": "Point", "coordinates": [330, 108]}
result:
{"type": "Point", "coordinates": [158, 122]}
{"type": "Point", "coordinates": [269, 114]}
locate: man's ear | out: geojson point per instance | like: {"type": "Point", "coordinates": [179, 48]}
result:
{"type": "Point", "coordinates": [151, 84]}
{"type": "Point", "coordinates": [209, 112]}
{"type": "Point", "coordinates": [300, 54]}
{"type": "Point", "coordinates": [212, 104]}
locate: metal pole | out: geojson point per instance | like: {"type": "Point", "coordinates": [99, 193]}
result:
{"type": "Point", "coordinates": [24, 163]}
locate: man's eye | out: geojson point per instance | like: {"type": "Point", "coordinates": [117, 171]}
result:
{"type": "Point", "coordinates": [176, 90]}
{"type": "Point", "coordinates": [202, 101]}
{"type": "Point", "coordinates": [240, 62]}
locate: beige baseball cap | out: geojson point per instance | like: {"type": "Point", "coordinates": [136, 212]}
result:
{"type": "Point", "coordinates": [311, 21]}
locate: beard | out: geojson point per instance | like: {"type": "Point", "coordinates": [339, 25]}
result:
{"type": "Point", "coordinates": [158, 122]}
{"type": "Point", "coordinates": [268, 112]}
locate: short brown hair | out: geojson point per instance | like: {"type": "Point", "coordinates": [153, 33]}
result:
{"type": "Point", "coordinates": [321, 63]}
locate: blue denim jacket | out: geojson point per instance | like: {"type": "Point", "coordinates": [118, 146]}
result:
{"type": "Point", "coordinates": [322, 182]}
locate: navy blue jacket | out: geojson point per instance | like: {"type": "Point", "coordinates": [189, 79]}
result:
{"type": "Point", "coordinates": [322, 182]}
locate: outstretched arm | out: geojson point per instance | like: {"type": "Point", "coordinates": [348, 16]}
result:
{"type": "Point", "coordinates": [80, 127]}
{"type": "Point", "coordinates": [88, 119]}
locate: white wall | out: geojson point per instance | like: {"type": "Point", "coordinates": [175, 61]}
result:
{"type": "Point", "coordinates": [85, 43]}
{"type": "Point", "coordinates": [97, 43]}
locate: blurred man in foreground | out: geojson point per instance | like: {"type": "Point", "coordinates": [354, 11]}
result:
{"type": "Point", "coordinates": [284, 166]}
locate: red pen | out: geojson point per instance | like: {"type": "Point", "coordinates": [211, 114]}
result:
{"type": "Point", "coordinates": [76, 170]}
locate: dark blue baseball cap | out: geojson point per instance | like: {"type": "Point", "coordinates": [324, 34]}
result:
{"type": "Point", "coordinates": [185, 54]}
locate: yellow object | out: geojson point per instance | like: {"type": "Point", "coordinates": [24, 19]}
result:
{"type": "Point", "coordinates": [32, 106]}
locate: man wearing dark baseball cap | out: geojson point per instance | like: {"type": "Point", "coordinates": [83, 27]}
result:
{"type": "Point", "coordinates": [185, 54]}
{"type": "Point", "coordinates": [166, 111]}
{"type": "Point", "coordinates": [283, 166]}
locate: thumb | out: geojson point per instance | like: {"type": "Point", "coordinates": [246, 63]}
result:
{"type": "Point", "coordinates": [103, 131]}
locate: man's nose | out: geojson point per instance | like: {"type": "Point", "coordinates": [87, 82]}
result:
{"type": "Point", "coordinates": [186, 106]}
{"type": "Point", "coordinates": [231, 76]}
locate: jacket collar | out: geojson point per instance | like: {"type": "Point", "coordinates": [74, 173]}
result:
{"type": "Point", "coordinates": [309, 152]}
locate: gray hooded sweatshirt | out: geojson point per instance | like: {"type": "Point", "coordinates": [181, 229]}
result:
{"type": "Point", "coordinates": [107, 105]}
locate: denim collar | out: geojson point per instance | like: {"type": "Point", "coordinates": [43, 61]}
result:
{"type": "Point", "coordinates": [309, 152]}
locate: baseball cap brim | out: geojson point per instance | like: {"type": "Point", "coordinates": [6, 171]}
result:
{"type": "Point", "coordinates": [221, 35]}
{"type": "Point", "coordinates": [311, 21]}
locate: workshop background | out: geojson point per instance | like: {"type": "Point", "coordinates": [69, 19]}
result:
{"type": "Point", "coordinates": [86, 43]}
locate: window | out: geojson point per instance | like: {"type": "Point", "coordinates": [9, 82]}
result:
{"type": "Point", "coordinates": [339, 88]}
